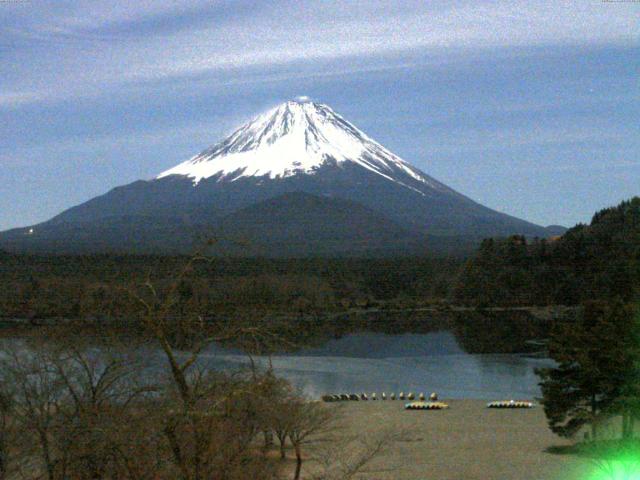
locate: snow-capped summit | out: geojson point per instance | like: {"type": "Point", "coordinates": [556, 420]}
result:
{"type": "Point", "coordinates": [298, 180]}
{"type": "Point", "coordinates": [296, 137]}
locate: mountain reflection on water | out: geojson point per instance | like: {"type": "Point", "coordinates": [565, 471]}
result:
{"type": "Point", "coordinates": [468, 355]}
{"type": "Point", "coordinates": [463, 355]}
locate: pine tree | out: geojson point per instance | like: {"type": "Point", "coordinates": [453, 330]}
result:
{"type": "Point", "coordinates": [627, 403]}
{"type": "Point", "coordinates": [596, 376]}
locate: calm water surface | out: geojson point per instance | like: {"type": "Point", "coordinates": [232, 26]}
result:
{"type": "Point", "coordinates": [458, 358]}
{"type": "Point", "coordinates": [378, 362]}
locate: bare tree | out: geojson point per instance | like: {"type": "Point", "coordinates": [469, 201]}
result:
{"type": "Point", "coordinates": [6, 409]}
{"type": "Point", "coordinates": [275, 407]}
{"type": "Point", "coordinates": [308, 422]}
{"type": "Point", "coordinates": [210, 420]}
{"type": "Point", "coordinates": [99, 388]}
{"type": "Point", "coordinates": [75, 403]}
{"type": "Point", "coordinates": [37, 396]}
{"type": "Point", "coordinates": [347, 458]}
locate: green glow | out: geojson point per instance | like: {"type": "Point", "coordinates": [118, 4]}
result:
{"type": "Point", "coordinates": [626, 467]}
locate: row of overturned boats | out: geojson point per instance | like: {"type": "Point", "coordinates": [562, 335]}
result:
{"type": "Point", "coordinates": [374, 396]}
{"type": "Point", "coordinates": [421, 403]}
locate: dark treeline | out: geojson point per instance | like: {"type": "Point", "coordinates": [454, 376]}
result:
{"type": "Point", "coordinates": [36, 287]}
{"type": "Point", "coordinates": [600, 260]}
{"type": "Point", "coordinates": [595, 384]}
{"type": "Point", "coordinates": [596, 268]}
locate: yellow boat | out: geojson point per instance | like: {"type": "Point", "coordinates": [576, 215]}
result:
{"type": "Point", "coordinates": [509, 404]}
{"type": "Point", "coordinates": [426, 406]}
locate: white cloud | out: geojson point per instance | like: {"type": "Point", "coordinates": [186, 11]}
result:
{"type": "Point", "coordinates": [82, 49]}
{"type": "Point", "coordinates": [101, 147]}
{"type": "Point", "coordinates": [16, 99]}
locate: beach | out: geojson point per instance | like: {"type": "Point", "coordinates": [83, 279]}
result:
{"type": "Point", "coordinates": [466, 442]}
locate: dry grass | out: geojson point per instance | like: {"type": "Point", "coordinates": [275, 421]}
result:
{"type": "Point", "coordinates": [468, 442]}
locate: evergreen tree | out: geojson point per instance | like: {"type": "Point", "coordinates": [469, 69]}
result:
{"type": "Point", "coordinates": [596, 376]}
{"type": "Point", "coordinates": [627, 403]}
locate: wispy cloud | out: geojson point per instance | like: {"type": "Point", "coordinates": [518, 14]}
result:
{"type": "Point", "coordinates": [76, 148]}
{"type": "Point", "coordinates": [478, 93]}
{"type": "Point", "coordinates": [82, 49]}
{"type": "Point", "coordinates": [537, 135]}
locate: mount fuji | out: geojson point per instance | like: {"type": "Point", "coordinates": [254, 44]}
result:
{"type": "Point", "coordinates": [298, 180]}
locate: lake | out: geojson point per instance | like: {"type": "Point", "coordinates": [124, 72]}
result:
{"type": "Point", "coordinates": [463, 359]}
{"type": "Point", "coordinates": [474, 356]}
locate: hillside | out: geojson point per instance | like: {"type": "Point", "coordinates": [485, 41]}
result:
{"type": "Point", "coordinates": [599, 260]}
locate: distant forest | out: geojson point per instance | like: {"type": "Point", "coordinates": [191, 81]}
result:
{"type": "Point", "coordinates": [596, 261]}
{"type": "Point", "coordinates": [38, 287]}
{"type": "Point", "coordinates": [600, 260]}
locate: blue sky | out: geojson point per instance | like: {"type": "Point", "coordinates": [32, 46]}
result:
{"type": "Point", "coordinates": [531, 108]}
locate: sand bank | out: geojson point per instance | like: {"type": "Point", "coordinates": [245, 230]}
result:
{"type": "Point", "coordinates": [465, 442]}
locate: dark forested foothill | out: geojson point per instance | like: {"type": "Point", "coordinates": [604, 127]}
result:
{"type": "Point", "coordinates": [96, 286]}
{"type": "Point", "coordinates": [596, 345]}
{"type": "Point", "coordinates": [599, 260]}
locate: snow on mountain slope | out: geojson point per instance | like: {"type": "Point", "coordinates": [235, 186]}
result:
{"type": "Point", "coordinates": [298, 180]}
{"type": "Point", "coordinates": [297, 137]}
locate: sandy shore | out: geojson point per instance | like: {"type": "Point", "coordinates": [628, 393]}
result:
{"type": "Point", "coordinates": [466, 442]}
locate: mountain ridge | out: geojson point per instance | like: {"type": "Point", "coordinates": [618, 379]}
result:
{"type": "Point", "coordinates": [299, 146]}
